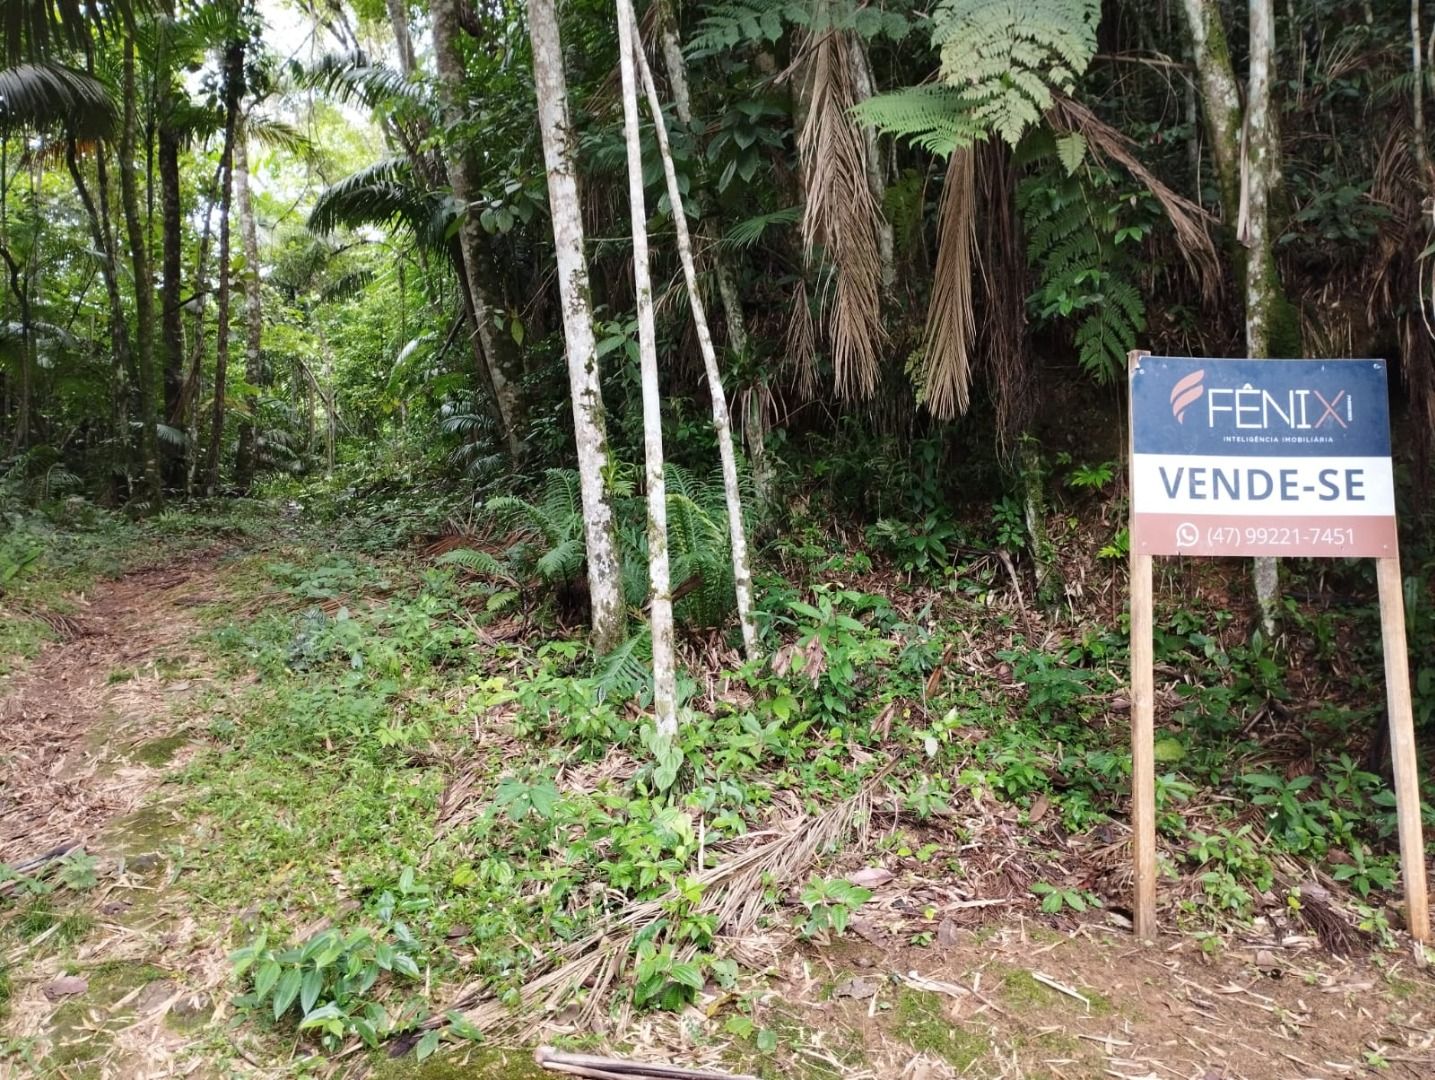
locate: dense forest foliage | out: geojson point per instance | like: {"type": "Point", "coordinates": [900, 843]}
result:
{"type": "Point", "coordinates": [727, 399]}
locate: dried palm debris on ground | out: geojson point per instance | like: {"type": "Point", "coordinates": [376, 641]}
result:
{"type": "Point", "coordinates": [363, 758]}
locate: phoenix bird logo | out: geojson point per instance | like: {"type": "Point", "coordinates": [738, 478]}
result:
{"type": "Point", "coordinates": [1185, 393]}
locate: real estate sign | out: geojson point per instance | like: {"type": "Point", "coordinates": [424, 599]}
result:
{"type": "Point", "coordinates": [1264, 457]}
{"type": "Point", "coordinates": [1261, 457]}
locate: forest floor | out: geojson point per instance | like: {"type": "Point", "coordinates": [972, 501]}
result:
{"type": "Point", "coordinates": [121, 969]}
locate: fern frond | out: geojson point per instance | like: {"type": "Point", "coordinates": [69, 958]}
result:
{"type": "Point", "coordinates": [625, 671]}
{"type": "Point", "coordinates": [940, 119]}
{"type": "Point", "coordinates": [562, 561]}
{"type": "Point", "coordinates": [480, 562]}
{"type": "Point", "coordinates": [1007, 56]}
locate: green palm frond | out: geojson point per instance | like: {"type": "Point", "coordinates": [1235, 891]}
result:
{"type": "Point", "coordinates": [35, 29]}
{"type": "Point", "coordinates": [347, 286]}
{"type": "Point", "coordinates": [747, 233]}
{"type": "Point", "coordinates": [279, 135]}
{"type": "Point", "coordinates": [385, 194]}
{"type": "Point", "coordinates": [42, 96]}
{"type": "Point", "coordinates": [171, 435]}
{"type": "Point", "coordinates": [358, 81]}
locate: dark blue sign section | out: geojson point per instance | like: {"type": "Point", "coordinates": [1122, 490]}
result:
{"type": "Point", "coordinates": [1273, 408]}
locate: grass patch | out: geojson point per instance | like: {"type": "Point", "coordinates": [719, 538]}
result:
{"type": "Point", "coordinates": [922, 1023]}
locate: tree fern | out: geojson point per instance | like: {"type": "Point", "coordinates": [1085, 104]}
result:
{"type": "Point", "coordinates": [938, 118]}
{"type": "Point", "coordinates": [734, 23]}
{"type": "Point", "coordinates": [1005, 56]}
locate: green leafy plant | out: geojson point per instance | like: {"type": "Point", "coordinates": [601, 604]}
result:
{"type": "Point", "coordinates": [327, 984]}
{"type": "Point", "coordinates": [830, 904]}
{"type": "Point", "coordinates": [1055, 898]}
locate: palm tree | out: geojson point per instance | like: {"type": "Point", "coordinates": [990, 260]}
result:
{"type": "Point", "coordinates": [42, 95]}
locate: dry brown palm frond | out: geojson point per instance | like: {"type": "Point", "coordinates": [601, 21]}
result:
{"type": "Point", "coordinates": [733, 892]}
{"type": "Point", "coordinates": [1006, 285]}
{"type": "Point", "coordinates": [951, 323]}
{"type": "Point", "coordinates": [841, 214]}
{"type": "Point", "coordinates": [800, 340]}
{"type": "Point", "coordinates": [1190, 222]}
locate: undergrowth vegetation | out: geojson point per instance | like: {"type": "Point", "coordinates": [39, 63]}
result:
{"type": "Point", "coordinates": [431, 784]}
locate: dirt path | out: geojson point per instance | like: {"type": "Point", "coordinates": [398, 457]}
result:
{"type": "Point", "coordinates": [107, 981]}
{"type": "Point", "coordinates": [129, 979]}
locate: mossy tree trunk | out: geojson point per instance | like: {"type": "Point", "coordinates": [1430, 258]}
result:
{"type": "Point", "coordinates": [1245, 146]}
{"type": "Point", "coordinates": [233, 94]}
{"type": "Point", "coordinates": [589, 420]}
{"type": "Point", "coordinates": [253, 311]}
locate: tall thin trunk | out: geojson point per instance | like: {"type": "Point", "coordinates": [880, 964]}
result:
{"type": "Point", "coordinates": [143, 282]}
{"type": "Point", "coordinates": [233, 93]}
{"type": "Point", "coordinates": [1263, 296]}
{"type": "Point", "coordinates": [660, 594]}
{"type": "Point", "coordinates": [21, 437]}
{"type": "Point", "coordinates": [1246, 151]}
{"type": "Point", "coordinates": [104, 245]}
{"type": "Point", "coordinates": [403, 40]}
{"type": "Point", "coordinates": [1417, 96]}
{"type": "Point", "coordinates": [737, 534]}
{"type": "Point", "coordinates": [188, 410]}
{"type": "Point", "coordinates": [505, 366]}
{"type": "Point", "coordinates": [253, 310]}
{"type": "Point", "coordinates": [171, 317]}
{"type": "Point", "coordinates": [754, 420]}
{"type": "Point", "coordinates": [589, 423]}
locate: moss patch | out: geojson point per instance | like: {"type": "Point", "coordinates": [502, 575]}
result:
{"type": "Point", "coordinates": [159, 752]}
{"type": "Point", "coordinates": [77, 1042]}
{"type": "Point", "coordinates": [150, 828]}
{"type": "Point", "coordinates": [463, 1065]}
{"type": "Point", "coordinates": [923, 1025]}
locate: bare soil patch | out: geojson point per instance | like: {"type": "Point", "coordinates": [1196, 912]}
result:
{"type": "Point", "coordinates": [85, 728]}
{"type": "Point", "coordinates": [115, 981]}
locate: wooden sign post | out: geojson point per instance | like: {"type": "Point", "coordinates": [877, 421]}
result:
{"type": "Point", "coordinates": [1264, 457]}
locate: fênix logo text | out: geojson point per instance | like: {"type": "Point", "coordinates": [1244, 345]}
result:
{"type": "Point", "coordinates": [1251, 408]}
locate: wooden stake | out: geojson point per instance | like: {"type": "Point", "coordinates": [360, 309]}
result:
{"type": "Point", "coordinates": [1402, 745]}
{"type": "Point", "coordinates": [1143, 725]}
{"type": "Point", "coordinates": [1143, 749]}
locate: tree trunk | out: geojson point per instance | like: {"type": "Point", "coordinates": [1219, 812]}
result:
{"type": "Point", "coordinates": [1246, 151]}
{"type": "Point", "coordinates": [233, 93]}
{"type": "Point", "coordinates": [171, 324]}
{"type": "Point", "coordinates": [403, 40]}
{"type": "Point", "coordinates": [737, 534]}
{"type": "Point", "coordinates": [143, 283]}
{"type": "Point", "coordinates": [589, 422]}
{"type": "Point", "coordinates": [754, 420]}
{"type": "Point", "coordinates": [505, 366]}
{"type": "Point", "coordinates": [21, 436]}
{"type": "Point", "coordinates": [660, 595]}
{"type": "Point", "coordinates": [1220, 98]}
{"type": "Point", "coordinates": [1263, 295]}
{"type": "Point", "coordinates": [253, 311]}
{"type": "Point", "coordinates": [109, 272]}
